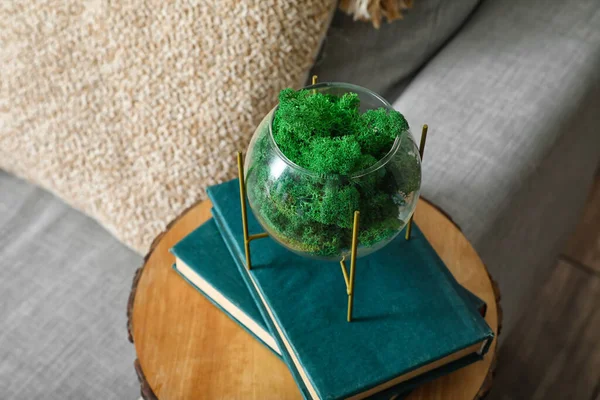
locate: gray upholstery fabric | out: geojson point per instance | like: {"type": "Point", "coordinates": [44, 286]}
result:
{"type": "Point", "coordinates": [512, 103]}
{"type": "Point", "coordinates": [64, 284]}
{"type": "Point", "coordinates": [513, 107]}
{"type": "Point", "coordinates": [383, 60]}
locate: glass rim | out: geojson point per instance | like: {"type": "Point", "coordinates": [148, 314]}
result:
{"type": "Point", "coordinates": [380, 163]}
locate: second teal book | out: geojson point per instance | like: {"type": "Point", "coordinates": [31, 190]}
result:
{"type": "Point", "coordinates": [204, 260]}
{"type": "Point", "coordinates": [410, 319]}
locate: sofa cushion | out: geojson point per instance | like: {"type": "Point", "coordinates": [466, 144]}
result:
{"type": "Point", "coordinates": [385, 59]}
{"type": "Point", "coordinates": [129, 110]}
{"type": "Point", "coordinates": [64, 284]}
{"type": "Point", "coordinates": [512, 104]}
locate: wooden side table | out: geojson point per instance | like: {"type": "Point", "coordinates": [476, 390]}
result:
{"type": "Point", "coordinates": [188, 349]}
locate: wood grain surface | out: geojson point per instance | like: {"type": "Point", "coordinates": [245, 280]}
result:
{"type": "Point", "coordinates": [188, 349]}
{"type": "Point", "coordinates": [554, 352]}
{"type": "Point", "coordinates": [584, 245]}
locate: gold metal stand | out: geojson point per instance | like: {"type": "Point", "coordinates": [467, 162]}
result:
{"type": "Point", "coordinates": [247, 238]}
{"type": "Point", "coordinates": [421, 152]}
{"type": "Point", "coordinates": [348, 278]}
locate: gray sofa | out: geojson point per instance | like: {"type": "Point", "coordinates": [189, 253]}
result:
{"type": "Point", "coordinates": [511, 92]}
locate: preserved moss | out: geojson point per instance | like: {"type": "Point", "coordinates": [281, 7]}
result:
{"type": "Point", "coordinates": [328, 136]}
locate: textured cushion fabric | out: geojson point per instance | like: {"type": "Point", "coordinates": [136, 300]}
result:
{"type": "Point", "coordinates": [384, 59]}
{"type": "Point", "coordinates": [64, 284]}
{"type": "Point", "coordinates": [130, 109]}
{"type": "Point", "coordinates": [512, 103]}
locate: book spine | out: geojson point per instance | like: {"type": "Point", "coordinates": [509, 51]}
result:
{"type": "Point", "coordinates": [238, 258]}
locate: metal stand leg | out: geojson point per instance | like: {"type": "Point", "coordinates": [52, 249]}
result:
{"type": "Point", "coordinates": [350, 279]}
{"type": "Point", "coordinates": [421, 151]}
{"type": "Point", "coordinates": [247, 238]}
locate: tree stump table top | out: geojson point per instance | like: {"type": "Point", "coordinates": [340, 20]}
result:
{"type": "Point", "coordinates": [189, 349]}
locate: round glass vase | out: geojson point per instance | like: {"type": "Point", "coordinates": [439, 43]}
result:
{"type": "Point", "coordinates": [311, 213]}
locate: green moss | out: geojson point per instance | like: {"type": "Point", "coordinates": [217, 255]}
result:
{"type": "Point", "coordinates": [378, 131]}
{"type": "Point", "coordinates": [328, 135]}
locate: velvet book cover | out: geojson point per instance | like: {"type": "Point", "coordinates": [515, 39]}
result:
{"type": "Point", "coordinates": [410, 320]}
{"type": "Point", "coordinates": [203, 259]}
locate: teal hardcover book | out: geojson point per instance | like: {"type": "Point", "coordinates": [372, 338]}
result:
{"type": "Point", "coordinates": [410, 321]}
{"type": "Point", "coordinates": [472, 299]}
{"type": "Point", "coordinates": [204, 260]}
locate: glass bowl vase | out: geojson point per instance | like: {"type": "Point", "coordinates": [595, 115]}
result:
{"type": "Point", "coordinates": [312, 213]}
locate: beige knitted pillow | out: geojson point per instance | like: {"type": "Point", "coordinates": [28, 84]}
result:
{"type": "Point", "coordinates": [129, 109]}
